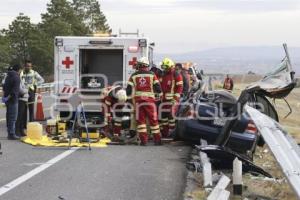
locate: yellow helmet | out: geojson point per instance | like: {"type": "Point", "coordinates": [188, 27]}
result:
{"type": "Point", "coordinates": [167, 63]}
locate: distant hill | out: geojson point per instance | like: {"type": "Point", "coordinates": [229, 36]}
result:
{"type": "Point", "coordinates": [238, 59]}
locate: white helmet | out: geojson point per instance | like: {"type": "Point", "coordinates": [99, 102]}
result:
{"type": "Point", "coordinates": [143, 61]}
{"type": "Point", "coordinates": [121, 96]}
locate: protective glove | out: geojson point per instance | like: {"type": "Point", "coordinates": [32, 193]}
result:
{"type": "Point", "coordinates": [109, 119]}
{"type": "Point", "coordinates": [5, 99]}
{"type": "Point", "coordinates": [175, 99]}
{"type": "Point", "coordinates": [130, 101]}
{"type": "Point", "coordinates": [158, 97]}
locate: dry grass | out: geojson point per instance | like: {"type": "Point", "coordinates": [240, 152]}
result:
{"type": "Point", "coordinates": [292, 122]}
{"type": "Point", "coordinates": [280, 189]}
{"type": "Point", "coordinates": [269, 189]}
{"type": "Point", "coordinates": [264, 158]}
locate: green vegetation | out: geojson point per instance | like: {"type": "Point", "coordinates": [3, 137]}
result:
{"type": "Point", "coordinates": [25, 40]}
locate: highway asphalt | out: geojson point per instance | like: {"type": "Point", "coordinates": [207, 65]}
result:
{"type": "Point", "coordinates": [111, 173]}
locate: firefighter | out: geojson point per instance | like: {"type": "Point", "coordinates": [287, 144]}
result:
{"type": "Point", "coordinates": [172, 86]}
{"type": "Point", "coordinates": [156, 71]}
{"type": "Point", "coordinates": [228, 83]}
{"type": "Point", "coordinates": [142, 86]}
{"type": "Point", "coordinates": [158, 74]}
{"type": "Point", "coordinates": [184, 71]}
{"type": "Point", "coordinates": [114, 100]}
{"type": "Point", "coordinates": [31, 79]}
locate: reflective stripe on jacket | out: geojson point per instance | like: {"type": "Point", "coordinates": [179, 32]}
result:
{"type": "Point", "coordinates": [172, 85]}
{"type": "Point", "coordinates": [143, 85]}
{"type": "Point", "coordinates": [31, 79]}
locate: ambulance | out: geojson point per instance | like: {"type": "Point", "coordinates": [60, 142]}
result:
{"type": "Point", "coordinates": [83, 66]}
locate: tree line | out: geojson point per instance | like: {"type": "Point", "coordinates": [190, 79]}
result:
{"type": "Point", "coordinates": [26, 40]}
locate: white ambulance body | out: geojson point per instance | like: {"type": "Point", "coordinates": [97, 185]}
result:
{"type": "Point", "coordinates": [85, 65]}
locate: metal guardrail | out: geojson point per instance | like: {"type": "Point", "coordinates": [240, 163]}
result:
{"type": "Point", "coordinates": [42, 87]}
{"type": "Point", "coordinates": [46, 85]}
{"type": "Point", "coordinates": [282, 145]}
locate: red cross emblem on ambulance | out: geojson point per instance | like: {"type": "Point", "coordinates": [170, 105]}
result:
{"type": "Point", "coordinates": [67, 62]}
{"type": "Point", "coordinates": [133, 62]}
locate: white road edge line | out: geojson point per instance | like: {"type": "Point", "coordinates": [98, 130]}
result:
{"type": "Point", "coordinates": [4, 189]}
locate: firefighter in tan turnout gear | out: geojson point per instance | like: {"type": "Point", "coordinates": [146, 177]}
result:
{"type": "Point", "coordinates": [142, 86]}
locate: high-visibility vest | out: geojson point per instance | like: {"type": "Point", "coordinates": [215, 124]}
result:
{"type": "Point", "coordinates": [29, 79]}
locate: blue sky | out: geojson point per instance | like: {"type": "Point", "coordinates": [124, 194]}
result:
{"type": "Point", "coordinates": [190, 25]}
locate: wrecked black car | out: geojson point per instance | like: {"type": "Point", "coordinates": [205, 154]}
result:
{"type": "Point", "coordinates": [205, 115]}
{"type": "Point", "coordinates": [218, 117]}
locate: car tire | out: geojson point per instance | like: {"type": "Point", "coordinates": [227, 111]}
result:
{"type": "Point", "coordinates": [177, 132]}
{"type": "Point", "coordinates": [260, 141]}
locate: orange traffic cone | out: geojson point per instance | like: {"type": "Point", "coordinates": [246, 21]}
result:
{"type": "Point", "coordinates": [39, 115]}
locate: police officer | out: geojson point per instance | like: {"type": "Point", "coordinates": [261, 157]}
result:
{"type": "Point", "coordinates": [31, 80]}
{"type": "Point", "coordinates": [11, 90]}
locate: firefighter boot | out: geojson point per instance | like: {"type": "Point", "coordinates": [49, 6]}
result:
{"type": "Point", "coordinates": [143, 139]}
{"type": "Point", "coordinates": [106, 132]}
{"type": "Point", "coordinates": [165, 131]}
{"type": "Point", "coordinates": [157, 139]}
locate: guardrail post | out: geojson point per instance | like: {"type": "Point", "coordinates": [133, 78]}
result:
{"type": "Point", "coordinates": [219, 192]}
{"type": "Point", "coordinates": [206, 167]}
{"type": "Point", "coordinates": [207, 174]}
{"type": "Point", "coordinates": [237, 177]}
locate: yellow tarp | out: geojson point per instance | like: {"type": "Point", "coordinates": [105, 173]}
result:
{"type": "Point", "coordinates": [47, 142]}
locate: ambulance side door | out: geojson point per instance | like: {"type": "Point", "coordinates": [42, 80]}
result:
{"type": "Point", "coordinates": [67, 68]}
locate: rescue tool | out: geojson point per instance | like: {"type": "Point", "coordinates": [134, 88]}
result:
{"type": "Point", "coordinates": [78, 116]}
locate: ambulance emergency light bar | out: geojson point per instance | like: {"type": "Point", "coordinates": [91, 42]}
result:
{"type": "Point", "coordinates": [100, 42]}
{"type": "Point", "coordinates": [59, 42]}
{"type": "Point", "coordinates": [142, 42]}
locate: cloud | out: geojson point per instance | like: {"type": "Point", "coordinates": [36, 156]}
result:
{"type": "Point", "coordinates": [189, 25]}
{"type": "Point", "coordinates": [10, 9]}
{"type": "Point", "coordinates": [162, 6]}
{"type": "Point", "coordinates": [240, 5]}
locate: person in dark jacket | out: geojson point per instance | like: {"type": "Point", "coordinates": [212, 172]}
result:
{"type": "Point", "coordinates": [11, 89]}
{"type": "Point", "coordinates": [185, 78]}
{"type": "Point", "coordinates": [22, 110]}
